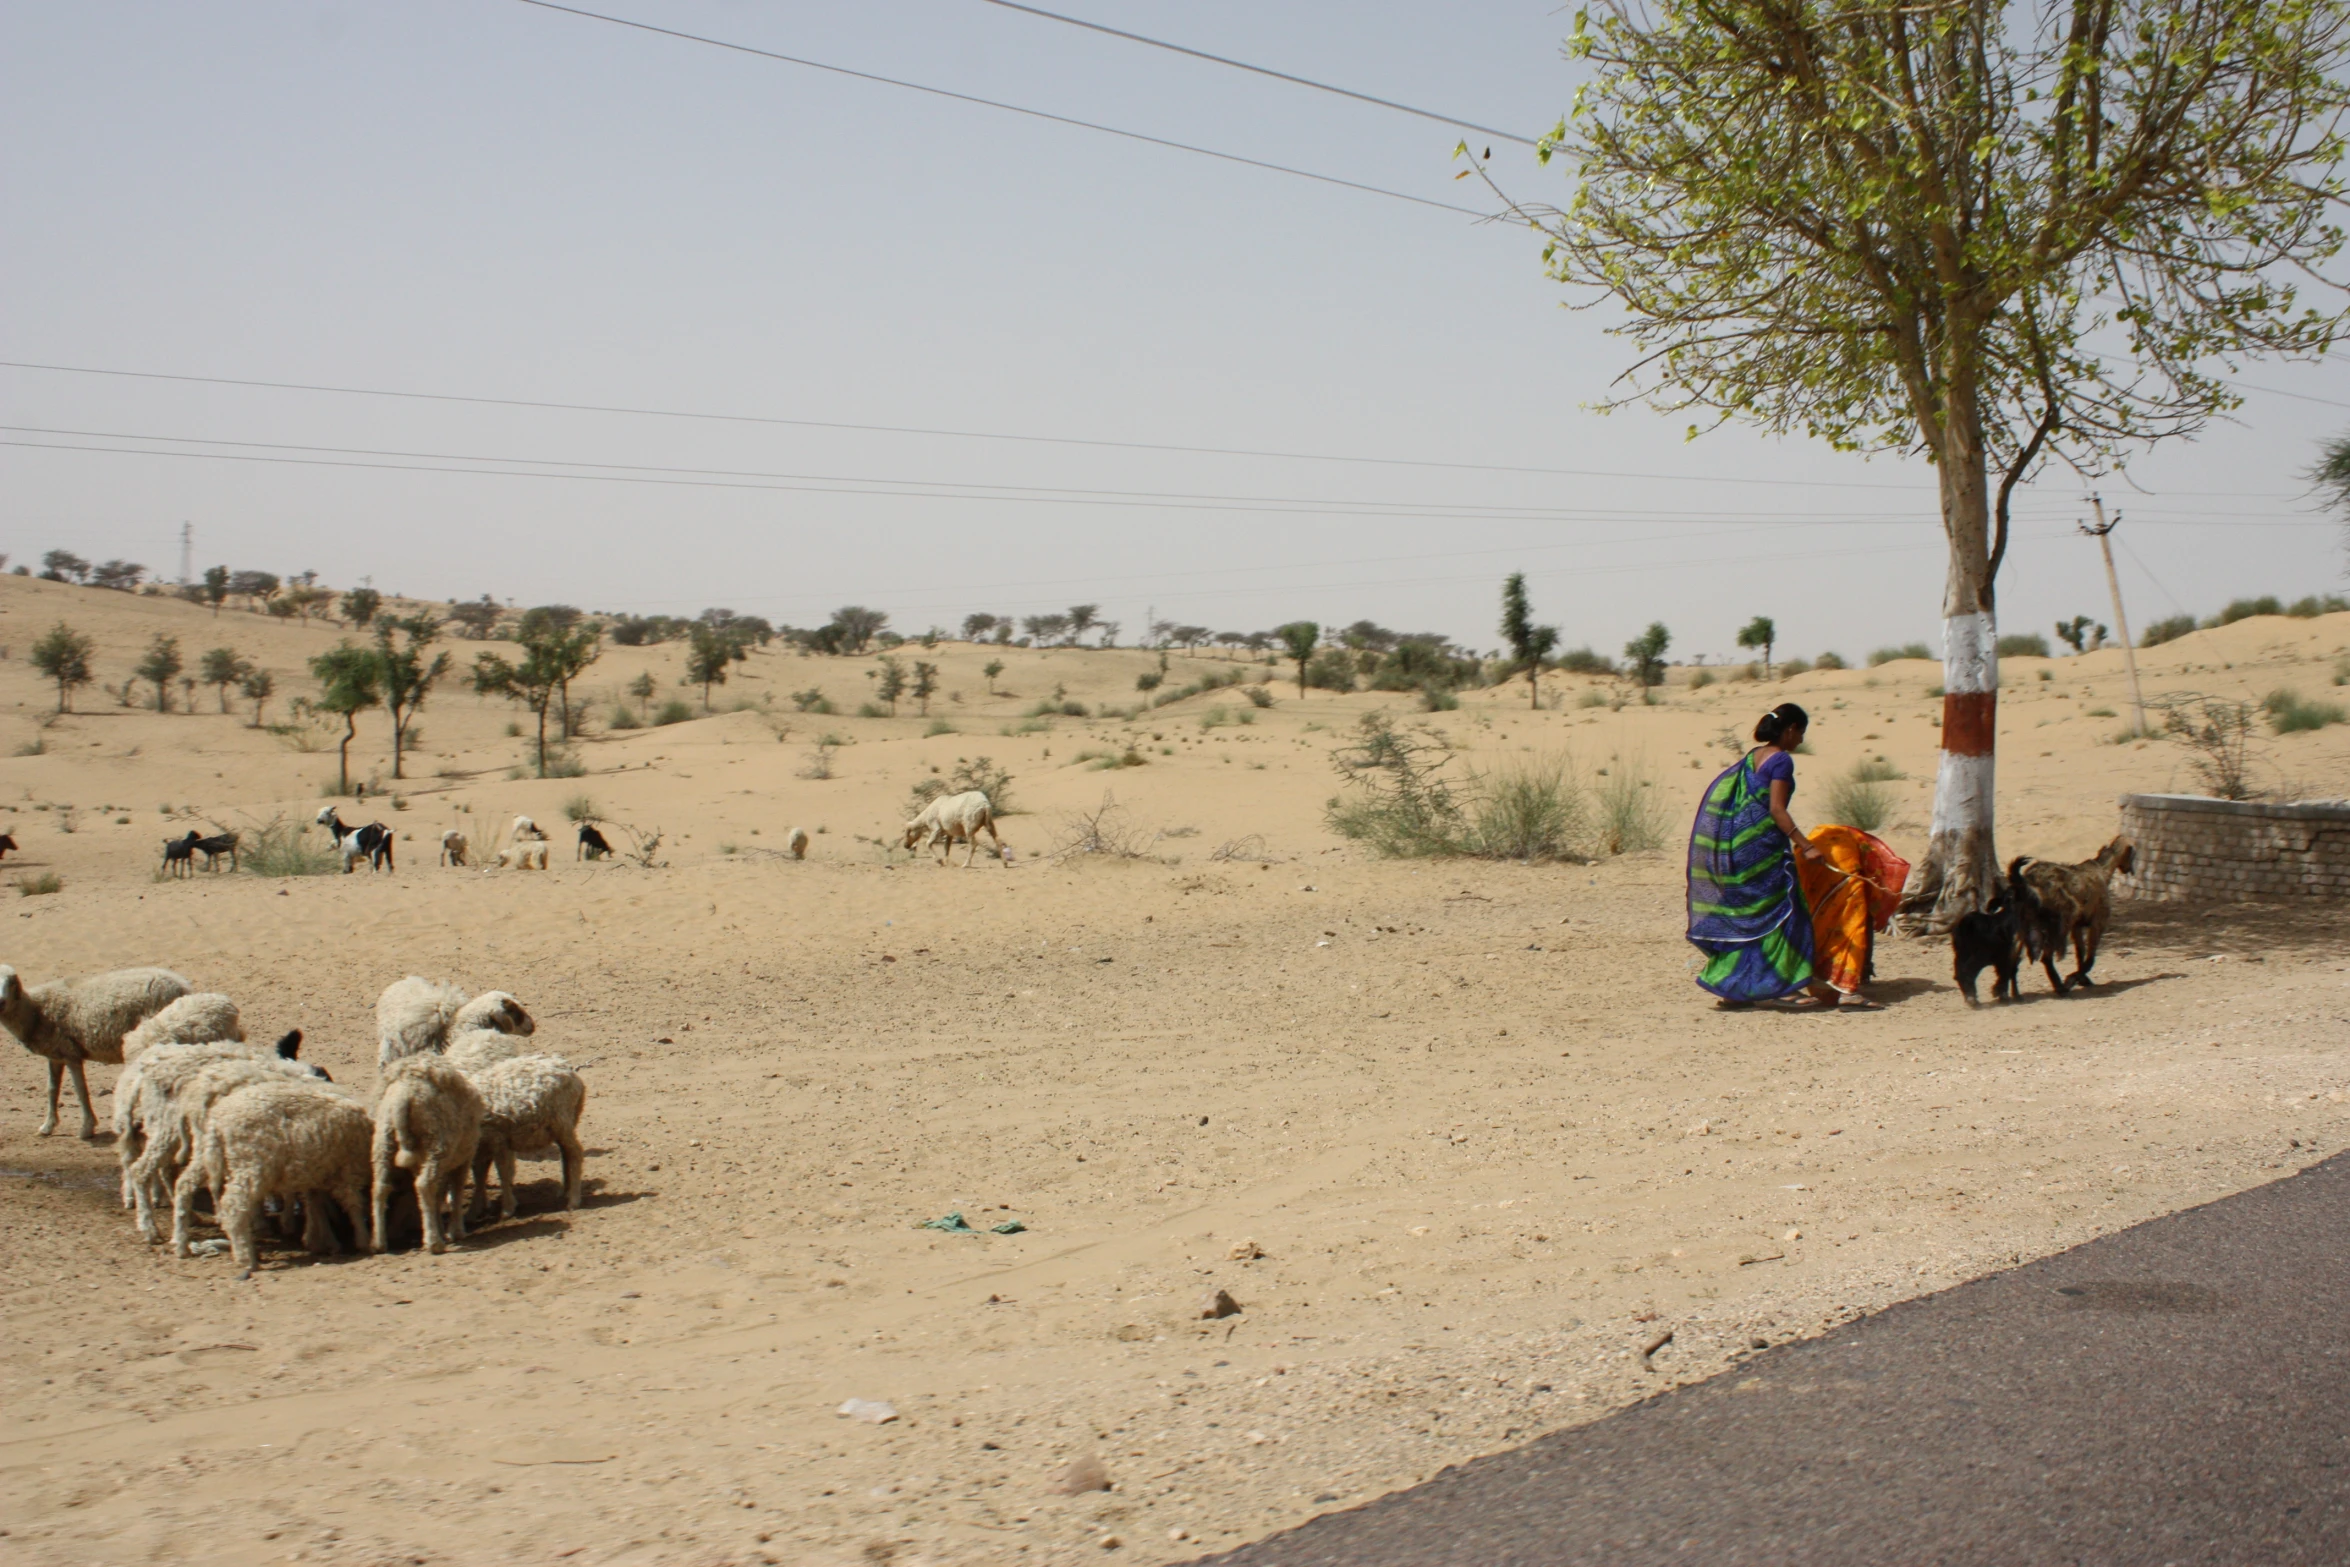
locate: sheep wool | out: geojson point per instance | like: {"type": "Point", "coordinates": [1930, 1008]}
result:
{"type": "Point", "coordinates": [197, 1019]}
{"type": "Point", "coordinates": [530, 1104]}
{"type": "Point", "coordinates": [69, 1022]}
{"type": "Point", "coordinates": [275, 1139]}
{"type": "Point", "coordinates": [428, 1120]}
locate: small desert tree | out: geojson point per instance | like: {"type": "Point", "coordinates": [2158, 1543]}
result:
{"type": "Point", "coordinates": [222, 667]}
{"type": "Point", "coordinates": [1298, 640]}
{"type": "Point", "coordinates": [259, 687]}
{"type": "Point", "coordinates": [858, 626]}
{"type": "Point", "coordinates": [350, 682]}
{"type": "Point", "coordinates": [570, 640]}
{"type": "Point", "coordinates": [359, 608]}
{"type": "Point", "coordinates": [925, 685]}
{"type": "Point", "coordinates": [1760, 632]}
{"type": "Point", "coordinates": [892, 683]}
{"type": "Point", "coordinates": [992, 668]}
{"type": "Point", "coordinates": [548, 663]}
{"type": "Point", "coordinates": [215, 591]}
{"type": "Point", "coordinates": [1982, 233]}
{"type": "Point", "coordinates": [1082, 618]}
{"type": "Point", "coordinates": [161, 663]}
{"type": "Point", "coordinates": [642, 688]}
{"type": "Point", "coordinates": [406, 674]}
{"type": "Point", "coordinates": [1646, 654]}
{"type": "Point", "coordinates": [64, 566]}
{"type": "Point", "coordinates": [1529, 643]}
{"type": "Point", "coordinates": [63, 655]}
{"type": "Point", "coordinates": [708, 653]}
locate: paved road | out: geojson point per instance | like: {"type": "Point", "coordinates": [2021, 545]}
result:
{"type": "Point", "coordinates": [2178, 1392]}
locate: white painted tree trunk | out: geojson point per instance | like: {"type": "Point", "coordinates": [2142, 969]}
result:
{"type": "Point", "coordinates": [1962, 857]}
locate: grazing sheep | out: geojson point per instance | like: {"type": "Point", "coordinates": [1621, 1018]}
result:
{"type": "Point", "coordinates": [179, 854]}
{"type": "Point", "coordinates": [474, 1050]}
{"type": "Point", "coordinates": [454, 847]}
{"type": "Point", "coordinates": [171, 1089]}
{"type": "Point", "coordinates": [276, 1139]}
{"type": "Point", "coordinates": [68, 1022]}
{"type": "Point", "coordinates": [951, 817]}
{"type": "Point", "coordinates": [529, 855]}
{"type": "Point", "coordinates": [530, 1104]}
{"type": "Point", "coordinates": [797, 842]}
{"type": "Point", "coordinates": [427, 1119]}
{"type": "Point", "coordinates": [418, 1016]}
{"type": "Point", "coordinates": [592, 844]}
{"type": "Point", "coordinates": [373, 841]}
{"type": "Point", "coordinates": [198, 1018]}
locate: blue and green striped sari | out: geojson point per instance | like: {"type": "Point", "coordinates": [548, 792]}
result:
{"type": "Point", "coordinates": [1746, 910]}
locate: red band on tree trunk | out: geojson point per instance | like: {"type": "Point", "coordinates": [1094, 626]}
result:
{"type": "Point", "coordinates": [1970, 722]}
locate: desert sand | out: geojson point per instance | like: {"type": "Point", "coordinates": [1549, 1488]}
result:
{"type": "Point", "coordinates": [1460, 1139]}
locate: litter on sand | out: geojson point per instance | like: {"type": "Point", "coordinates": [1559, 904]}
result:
{"type": "Point", "coordinates": [956, 1224]}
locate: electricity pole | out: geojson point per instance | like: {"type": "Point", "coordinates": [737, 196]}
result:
{"type": "Point", "coordinates": [187, 553]}
{"type": "Point", "coordinates": [2102, 534]}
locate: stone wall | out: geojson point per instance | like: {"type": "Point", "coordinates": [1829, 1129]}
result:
{"type": "Point", "coordinates": [2190, 847]}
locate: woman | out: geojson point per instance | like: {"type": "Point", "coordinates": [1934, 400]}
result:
{"type": "Point", "coordinates": [1746, 907]}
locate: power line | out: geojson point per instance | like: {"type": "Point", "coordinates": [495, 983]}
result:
{"type": "Point", "coordinates": [1283, 76]}
{"type": "Point", "coordinates": [1010, 108]}
{"type": "Point", "coordinates": [2300, 397]}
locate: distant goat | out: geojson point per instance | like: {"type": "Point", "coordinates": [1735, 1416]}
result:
{"type": "Point", "coordinates": [179, 854]}
{"type": "Point", "coordinates": [214, 847]}
{"type": "Point", "coordinates": [592, 845]}
{"type": "Point", "coordinates": [373, 841]}
{"type": "Point", "coordinates": [7, 842]}
{"type": "Point", "coordinates": [454, 847]}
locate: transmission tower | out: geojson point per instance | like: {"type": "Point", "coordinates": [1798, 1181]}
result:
{"type": "Point", "coordinates": [187, 553]}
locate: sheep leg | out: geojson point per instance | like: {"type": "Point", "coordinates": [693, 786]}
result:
{"type": "Point", "coordinates": [506, 1202]}
{"type": "Point", "coordinates": [351, 1193]}
{"type": "Point", "coordinates": [383, 1196]}
{"type": "Point", "coordinates": [994, 837]}
{"type": "Point", "coordinates": [431, 1186]}
{"type": "Point", "coordinates": [147, 1180]}
{"type": "Point", "coordinates": [183, 1208]}
{"type": "Point", "coordinates": [452, 1185]}
{"type": "Point", "coordinates": [318, 1231]}
{"type": "Point", "coordinates": [480, 1200]}
{"type": "Point", "coordinates": [56, 1087]}
{"type": "Point", "coordinates": [81, 1091]}
{"type": "Point", "coordinates": [239, 1207]}
{"type": "Point", "coordinates": [574, 1165]}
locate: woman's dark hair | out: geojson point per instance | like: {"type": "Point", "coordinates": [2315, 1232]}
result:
{"type": "Point", "coordinates": [1779, 720]}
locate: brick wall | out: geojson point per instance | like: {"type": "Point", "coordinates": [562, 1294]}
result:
{"type": "Point", "coordinates": [2195, 848]}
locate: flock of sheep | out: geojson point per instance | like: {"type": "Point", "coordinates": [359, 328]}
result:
{"type": "Point", "coordinates": [197, 1108]}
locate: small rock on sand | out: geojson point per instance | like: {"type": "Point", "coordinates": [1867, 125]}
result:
{"type": "Point", "coordinates": [1245, 1251]}
{"type": "Point", "coordinates": [1219, 1303]}
{"type": "Point", "coordinates": [1083, 1475]}
{"type": "Point", "coordinates": [872, 1411]}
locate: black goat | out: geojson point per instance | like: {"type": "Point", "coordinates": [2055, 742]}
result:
{"type": "Point", "coordinates": [179, 854]}
{"type": "Point", "coordinates": [214, 847]}
{"type": "Point", "coordinates": [7, 842]}
{"type": "Point", "coordinates": [373, 840]}
{"type": "Point", "coordinates": [591, 844]}
{"type": "Point", "coordinates": [1992, 938]}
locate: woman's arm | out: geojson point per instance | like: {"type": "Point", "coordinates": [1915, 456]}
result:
{"type": "Point", "coordinates": [1781, 792]}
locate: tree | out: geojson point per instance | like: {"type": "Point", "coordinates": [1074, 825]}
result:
{"type": "Point", "coordinates": [476, 619]}
{"type": "Point", "coordinates": [256, 588]}
{"type": "Point", "coordinates": [707, 655]}
{"type": "Point", "coordinates": [64, 566]}
{"type": "Point", "coordinates": [1046, 628]}
{"type": "Point", "coordinates": [1298, 639]}
{"type": "Point", "coordinates": [1989, 234]}
{"type": "Point", "coordinates": [977, 626]}
{"type": "Point", "coordinates": [2333, 473]}
{"type": "Point", "coordinates": [2081, 634]}
{"type": "Point", "coordinates": [162, 664]}
{"type": "Point", "coordinates": [222, 667]}
{"type": "Point", "coordinates": [858, 626]}
{"type": "Point", "coordinates": [1760, 632]}
{"type": "Point", "coordinates": [120, 575]}
{"type": "Point", "coordinates": [259, 687]}
{"type": "Point", "coordinates": [359, 607]}
{"type": "Point", "coordinates": [215, 589]}
{"type": "Point", "coordinates": [991, 669]}
{"type": "Point", "coordinates": [642, 688]}
{"type": "Point", "coordinates": [63, 655]}
{"type": "Point", "coordinates": [552, 657]}
{"type": "Point", "coordinates": [925, 683]}
{"type": "Point", "coordinates": [560, 628]}
{"type": "Point", "coordinates": [405, 674]}
{"type": "Point", "coordinates": [892, 683]}
{"type": "Point", "coordinates": [1646, 653]}
{"type": "Point", "coordinates": [304, 599]}
{"type": "Point", "coordinates": [349, 684]}
{"type": "Point", "coordinates": [1082, 618]}
{"type": "Point", "coordinates": [1529, 643]}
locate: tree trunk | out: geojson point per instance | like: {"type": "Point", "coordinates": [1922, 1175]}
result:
{"type": "Point", "coordinates": [399, 744]}
{"type": "Point", "coordinates": [343, 751]}
{"type": "Point", "coordinates": [1961, 863]}
{"type": "Point", "coordinates": [1533, 689]}
{"type": "Point", "coordinates": [542, 739]}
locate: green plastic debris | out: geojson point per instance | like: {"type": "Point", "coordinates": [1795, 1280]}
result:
{"type": "Point", "coordinates": [1008, 1227]}
{"type": "Point", "coordinates": [953, 1224]}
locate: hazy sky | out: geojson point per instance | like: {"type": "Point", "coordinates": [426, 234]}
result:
{"type": "Point", "coordinates": [496, 200]}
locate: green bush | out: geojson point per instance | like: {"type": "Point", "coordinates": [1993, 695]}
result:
{"type": "Point", "coordinates": [1631, 811]}
{"type": "Point", "coordinates": [2245, 609]}
{"type": "Point", "coordinates": [674, 712]}
{"type": "Point", "coordinates": [1438, 699]}
{"type": "Point", "coordinates": [1860, 798]}
{"type": "Point", "coordinates": [39, 886]}
{"type": "Point", "coordinates": [1887, 655]}
{"type": "Point", "coordinates": [2023, 644]}
{"type": "Point", "coordinates": [1332, 669]}
{"type": "Point", "coordinates": [871, 710]}
{"type": "Point", "coordinates": [1583, 661]}
{"type": "Point", "coordinates": [1699, 679]}
{"type": "Point", "coordinates": [2169, 629]}
{"type": "Point", "coordinates": [279, 847]}
{"type": "Point", "coordinates": [1260, 696]}
{"type": "Point", "coordinates": [937, 727]}
{"type": "Point", "coordinates": [1790, 668]}
{"type": "Point", "coordinates": [1149, 680]}
{"type": "Point", "coordinates": [624, 717]}
{"type": "Point", "coordinates": [2291, 713]}
{"type": "Point", "coordinates": [579, 808]}
{"type": "Point", "coordinates": [2313, 606]}
{"type": "Point", "coordinates": [1526, 810]}
{"type": "Point", "coordinates": [812, 700]}
{"type": "Point", "coordinates": [1829, 661]}
{"type": "Point", "coordinates": [1074, 709]}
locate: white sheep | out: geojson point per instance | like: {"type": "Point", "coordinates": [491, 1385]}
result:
{"type": "Point", "coordinates": [427, 1119]}
{"type": "Point", "coordinates": [797, 842]}
{"type": "Point", "coordinates": [268, 1139]}
{"type": "Point", "coordinates": [530, 1105]}
{"type": "Point", "coordinates": [417, 1016]}
{"type": "Point", "coordinates": [473, 1050]}
{"type": "Point", "coordinates": [951, 817]}
{"type": "Point", "coordinates": [133, 1104]}
{"type": "Point", "coordinates": [69, 1022]}
{"type": "Point", "coordinates": [530, 855]}
{"type": "Point", "coordinates": [198, 1018]}
{"type": "Point", "coordinates": [454, 847]}
{"type": "Point", "coordinates": [173, 1088]}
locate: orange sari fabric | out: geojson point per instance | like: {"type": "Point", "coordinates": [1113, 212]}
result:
{"type": "Point", "coordinates": [1852, 893]}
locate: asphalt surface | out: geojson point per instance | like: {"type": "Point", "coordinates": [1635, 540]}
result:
{"type": "Point", "coordinates": [2178, 1392]}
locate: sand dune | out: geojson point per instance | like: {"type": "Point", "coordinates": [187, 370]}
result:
{"type": "Point", "coordinates": [1474, 1116]}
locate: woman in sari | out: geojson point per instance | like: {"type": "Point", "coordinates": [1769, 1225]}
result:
{"type": "Point", "coordinates": [1746, 907]}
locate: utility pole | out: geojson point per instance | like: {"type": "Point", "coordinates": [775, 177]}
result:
{"type": "Point", "coordinates": [2102, 533]}
{"type": "Point", "coordinates": [187, 553]}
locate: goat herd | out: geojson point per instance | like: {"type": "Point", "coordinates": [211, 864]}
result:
{"type": "Point", "coordinates": [197, 1109]}
{"type": "Point", "coordinates": [372, 843]}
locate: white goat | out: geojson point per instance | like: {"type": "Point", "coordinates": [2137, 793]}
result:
{"type": "Point", "coordinates": [951, 817]}
{"type": "Point", "coordinates": [427, 1119]}
{"type": "Point", "coordinates": [69, 1022]}
{"type": "Point", "coordinates": [454, 847]}
{"type": "Point", "coordinates": [530, 1104]}
{"type": "Point", "coordinates": [266, 1139]}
